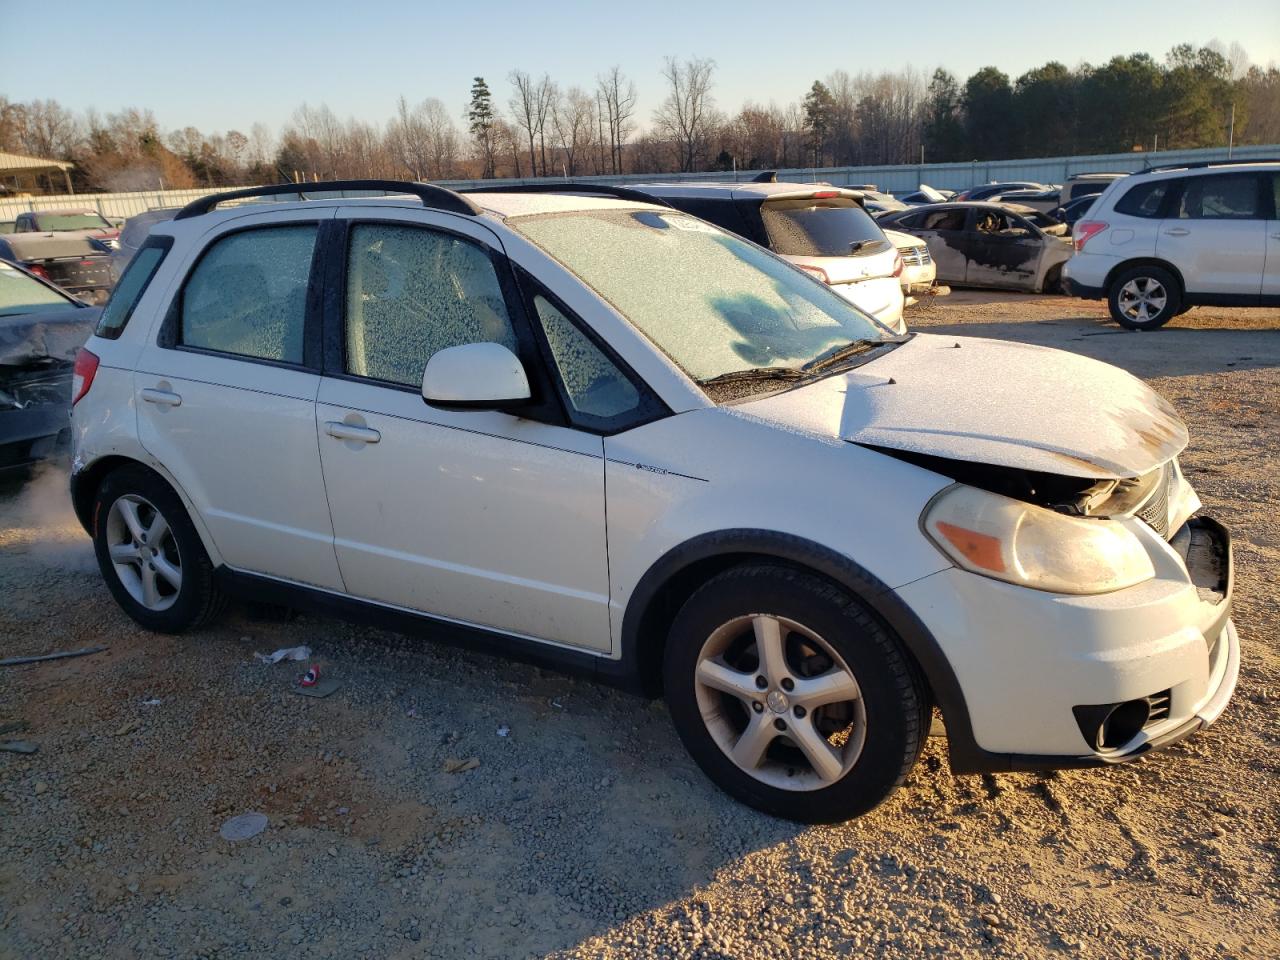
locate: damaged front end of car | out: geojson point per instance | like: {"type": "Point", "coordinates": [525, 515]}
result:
{"type": "Point", "coordinates": [37, 355]}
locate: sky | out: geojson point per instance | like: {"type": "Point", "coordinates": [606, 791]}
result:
{"type": "Point", "coordinates": [228, 65]}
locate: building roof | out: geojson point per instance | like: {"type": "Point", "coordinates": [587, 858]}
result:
{"type": "Point", "coordinates": [11, 163]}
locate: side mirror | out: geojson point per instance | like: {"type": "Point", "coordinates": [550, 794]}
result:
{"type": "Point", "coordinates": [477, 376]}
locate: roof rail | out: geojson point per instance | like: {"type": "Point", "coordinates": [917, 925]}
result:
{"type": "Point", "coordinates": [769, 176]}
{"type": "Point", "coordinates": [437, 198]}
{"type": "Point", "coordinates": [568, 186]}
{"type": "Point", "coordinates": [1201, 164]}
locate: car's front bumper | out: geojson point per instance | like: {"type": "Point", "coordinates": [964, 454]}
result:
{"type": "Point", "coordinates": [1033, 666]}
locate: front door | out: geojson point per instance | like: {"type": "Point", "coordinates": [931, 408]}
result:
{"type": "Point", "coordinates": [1004, 251]}
{"type": "Point", "coordinates": [226, 392]}
{"type": "Point", "coordinates": [479, 516]}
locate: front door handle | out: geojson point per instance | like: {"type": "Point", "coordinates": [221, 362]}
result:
{"type": "Point", "coordinates": [1177, 232]}
{"type": "Point", "coordinates": [347, 431]}
{"type": "Point", "coordinates": [166, 398]}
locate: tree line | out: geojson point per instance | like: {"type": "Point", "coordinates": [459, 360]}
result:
{"type": "Point", "coordinates": [534, 127]}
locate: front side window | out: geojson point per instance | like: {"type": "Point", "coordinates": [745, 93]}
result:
{"type": "Point", "coordinates": [594, 386]}
{"type": "Point", "coordinates": [711, 301]}
{"type": "Point", "coordinates": [1231, 196]}
{"type": "Point", "coordinates": [248, 295]}
{"type": "Point", "coordinates": [412, 292]}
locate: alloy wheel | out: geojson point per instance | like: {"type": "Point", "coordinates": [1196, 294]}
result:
{"type": "Point", "coordinates": [780, 702]}
{"type": "Point", "coordinates": [1143, 299]}
{"type": "Point", "coordinates": [143, 552]}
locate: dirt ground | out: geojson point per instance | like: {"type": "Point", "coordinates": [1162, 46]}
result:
{"type": "Point", "coordinates": [585, 831]}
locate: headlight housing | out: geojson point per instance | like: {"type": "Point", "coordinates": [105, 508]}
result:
{"type": "Point", "coordinates": [1031, 546]}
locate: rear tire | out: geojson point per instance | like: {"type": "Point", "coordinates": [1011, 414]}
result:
{"type": "Point", "coordinates": [150, 554]}
{"type": "Point", "coordinates": [842, 715]}
{"type": "Point", "coordinates": [1144, 298]}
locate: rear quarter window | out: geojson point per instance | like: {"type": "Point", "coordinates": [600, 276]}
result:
{"type": "Point", "coordinates": [1145, 199]}
{"type": "Point", "coordinates": [133, 284]}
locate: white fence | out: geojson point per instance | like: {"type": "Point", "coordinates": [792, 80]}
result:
{"type": "Point", "coordinates": [108, 204]}
{"type": "Point", "coordinates": [905, 177]}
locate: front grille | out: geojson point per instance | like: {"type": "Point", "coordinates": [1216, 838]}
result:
{"type": "Point", "coordinates": [916, 256]}
{"type": "Point", "coordinates": [1158, 704]}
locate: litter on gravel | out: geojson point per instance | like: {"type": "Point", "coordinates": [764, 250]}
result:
{"type": "Point", "coordinates": [453, 765]}
{"type": "Point", "coordinates": [243, 826]}
{"type": "Point", "coordinates": [284, 653]}
{"type": "Point", "coordinates": [62, 655]}
{"type": "Point", "coordinates": [504, 731]}
{"type": "Point", "coordinates": [18, 746]}
{"type": "Point", "coordinates": [319, 690]}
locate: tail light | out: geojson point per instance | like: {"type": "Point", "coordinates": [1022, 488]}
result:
{"type": "Point", "coordinates": [82, 375]}
{"type": "Point", "coordinates": [1086, 230]}
{"type": "Point", "coordinates": [39, 271]}
{"type": "Point", "coordinates": [815, 271]}
{"type": "Point", "coordinates": [898, 265]}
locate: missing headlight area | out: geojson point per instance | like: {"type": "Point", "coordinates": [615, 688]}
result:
{"type": "Point", "coordinates": [1146, 496]}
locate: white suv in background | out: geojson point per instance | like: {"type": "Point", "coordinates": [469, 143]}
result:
{"type": "Point", "coordinates": [608, 436]}
{"type": "Point", "coordinates": [1156, 244]}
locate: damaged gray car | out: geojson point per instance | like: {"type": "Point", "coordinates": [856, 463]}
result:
{"type": "Point", "coordinates": [41, 328]}
{"type": "Point", "coordinates": [998, 245]}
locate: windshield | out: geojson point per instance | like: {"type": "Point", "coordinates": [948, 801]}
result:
{"type": "Point", "coordinates": [713, 302]}
{"type": "Point", "coordinates": [20, 293]}
{"type": "Point", "coordinates": [72, 221]}
{"type": "Point", "coordinates": [820, 228]}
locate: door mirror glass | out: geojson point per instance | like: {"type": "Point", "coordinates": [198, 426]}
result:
{"type": "Point", "coordinates": [484, 376]}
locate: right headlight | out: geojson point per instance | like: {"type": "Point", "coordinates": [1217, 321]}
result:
{"type": "Point", "coordinates": [1034, 547]}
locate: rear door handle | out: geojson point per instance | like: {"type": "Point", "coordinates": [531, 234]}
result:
{"type": "Point", "coordinates": [1177, 232]}
{"type": "Point", "coordinates": [346, 431]}
{"type": "Point", "coordinates": [166, 398]}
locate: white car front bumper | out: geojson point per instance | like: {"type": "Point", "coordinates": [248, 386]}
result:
{"type": "Point", "coordinates": [1041, 673]}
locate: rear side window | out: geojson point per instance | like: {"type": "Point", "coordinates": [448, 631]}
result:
{"type": "Point", "coordinates": [1145, 199]}
{"type": "Point", "coordinates": [248, 295]}
{"type": "Point", "coordinates": [412, 292]}
{"type": "Point", "coordinates": [1087, 187]}
{"type": "Point", "coordinates": [131, 286]}
{"type": "Point", "coordinates": [1231, 196]}
{"type": "Point", "coordinates": [819, 228]}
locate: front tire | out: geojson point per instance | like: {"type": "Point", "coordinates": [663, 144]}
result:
{"type": "Point", "coordinates": [792, 696]}
{"type": "Point", "coordinates": [150, 554]}
{"type": "Point", "coordinates": [1144, 298]}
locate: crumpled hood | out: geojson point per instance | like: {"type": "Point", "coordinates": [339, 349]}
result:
{"type": "Point", "coordinates": [51, 336]}
{"type": "Point", "coordinates": [990, 401]}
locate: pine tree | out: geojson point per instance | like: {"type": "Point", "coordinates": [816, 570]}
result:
{"type": "Point", "coordinates": [482, 120]}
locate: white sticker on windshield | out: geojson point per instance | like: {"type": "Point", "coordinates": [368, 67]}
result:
{"type": "Point", "coordinates": [689, 224]}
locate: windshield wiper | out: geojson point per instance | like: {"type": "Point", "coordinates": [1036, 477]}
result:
{"type": "Point", "coordinates": [754, 374]}
{"type": "Point", "coordinates": [836, 354]}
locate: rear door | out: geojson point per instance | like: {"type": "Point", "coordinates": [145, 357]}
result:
{"type": "Point", "coordinates": [226, 391]}
{"type": "Point", "coordinates": [1216, 235]}
{"type": "Point", "coordinates": [943, 231]}
{"type": "Point", "coordinates": [479, 516]}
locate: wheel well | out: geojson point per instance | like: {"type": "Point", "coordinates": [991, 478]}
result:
{"type": "Point", "coordinates": [654, 626]}
{"type": "Point", "coordinates": [85, 484]}
{"type": "Point", "coordinates": [1144, 262]}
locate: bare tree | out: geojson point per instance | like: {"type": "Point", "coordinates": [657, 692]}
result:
{"type": "Point", "coordinates": [532, 104]}
{"type": "Point", "coordinates": [617, 96]}
{"type": "Point", "coordinates": [573, 119]}
{"type": "Point", "coordinates": [683, 114]}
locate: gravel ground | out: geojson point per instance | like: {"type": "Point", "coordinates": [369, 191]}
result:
{"type": "Point", "coordinates": [585, 831]}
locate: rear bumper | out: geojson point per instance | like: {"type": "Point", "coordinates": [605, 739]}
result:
{"type": "Point", "coordinates": [1085, 292]}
